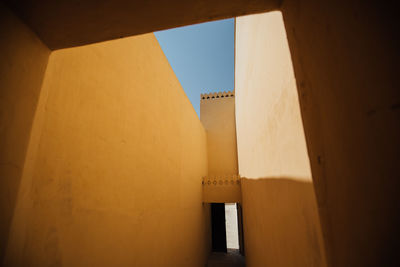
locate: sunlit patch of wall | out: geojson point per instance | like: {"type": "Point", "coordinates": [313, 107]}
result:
{"type": "Point", "coordinates": [281, 223]}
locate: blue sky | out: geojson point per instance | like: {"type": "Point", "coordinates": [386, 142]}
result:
{"type": "Point", "coordinates": [202, 57]}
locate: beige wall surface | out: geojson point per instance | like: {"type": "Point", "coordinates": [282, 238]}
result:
{"type": "Point", "coordinates": [270, 133]}
{"type": "Point", "coordinates": [218, 118]}
{"type": "Point", "coordinates": [281, 224]}
{"type": "Point", "coordinates": [22, 67]}
{"type": "Point", "coordinates": [118, 171]}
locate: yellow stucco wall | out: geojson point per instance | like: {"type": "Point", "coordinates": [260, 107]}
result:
{"type": "Point", "coordinates": [281, 224]}
{"type": "Point", "coordinates": [218, 118]}
{"type": "Point", "coordinates": [217, 114]}
{"type": "Point", "coordinates": [117, 174]}
{"type": "Point", "coordinates": [22, 66]}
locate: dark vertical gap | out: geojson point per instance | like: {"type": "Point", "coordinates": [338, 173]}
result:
{"type": "Point", "coordinates": [240, 227]}
{"type": "Point", "coordinates": [218, 227]}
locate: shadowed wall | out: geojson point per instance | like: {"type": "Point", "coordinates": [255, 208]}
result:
{"type": "Point", "coordinates": [281, 223]}
{"type": "Point", "coordinates": [85, 22]}
{"type": "Point", "coordinates": [345, 57]}
{"type": "Point", "coordinates": [117, 174]}
{"type": "Point", "coordinates": [23, 63]}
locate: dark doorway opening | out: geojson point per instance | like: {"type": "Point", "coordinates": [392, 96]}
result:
{"type": "Point", "coordinates": [220, 222]}
{"type": "Point", "coordinates": [240, 227]}
{"type": "Point", "coordinates": [218, 228]}
{"type": "Point", "coordinates": [226, 222]}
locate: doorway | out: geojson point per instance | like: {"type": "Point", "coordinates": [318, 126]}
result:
{"type": "Point", "coordinates": [227, 236]}
{"type": "Point", "coordinates": [227, 227]}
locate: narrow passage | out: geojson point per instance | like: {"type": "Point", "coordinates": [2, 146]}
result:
{"type": "Point", "coordinates": [230, 259]}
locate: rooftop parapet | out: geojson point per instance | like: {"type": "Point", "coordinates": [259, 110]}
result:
{"type": "Point", "coordinates": [217, 95]}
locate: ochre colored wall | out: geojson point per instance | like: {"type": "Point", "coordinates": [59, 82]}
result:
{"type": "Point", "coordinates": [22, 66]}
{"type": "Point", "coordinates": [118, 169]}
{"type": "Point", "coordinates": [280, 215]}
{"type": "Point", "coordinates": [281, 224]}
{"type": "Point", "coordinates": [218, 118]}
{"type": "Point", "coordinates": [345, 58]}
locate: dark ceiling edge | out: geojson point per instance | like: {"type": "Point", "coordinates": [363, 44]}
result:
{"type": "Point", "coordinates": [76, 43]}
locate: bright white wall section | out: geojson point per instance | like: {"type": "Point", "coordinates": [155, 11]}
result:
{"type": "Point", "coordinates": [231, 219]}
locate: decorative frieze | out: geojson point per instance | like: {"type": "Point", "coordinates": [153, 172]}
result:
{"type": "Point", "coordinates": [222, 189]}
{"type": "Point", "coordinates": [221, 180]}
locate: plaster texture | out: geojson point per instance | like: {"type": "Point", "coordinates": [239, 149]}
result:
{"type": "Point", "coordinates": [345, 58]}
{"type": "Point", "coordinates": [22, 66]}
{"type": "Point", "coordinates": [281, 224]}
{"type": "Point", "coordinates": [217, 114]}
{"type": "Point", "coordinates": [218, 118]}
{"type": "Point", "coordinates": [116, 179]}
{"type": "Point", "coordinates": [270, 133]}
{"type": "Point", "coordinates": [280, 215]}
